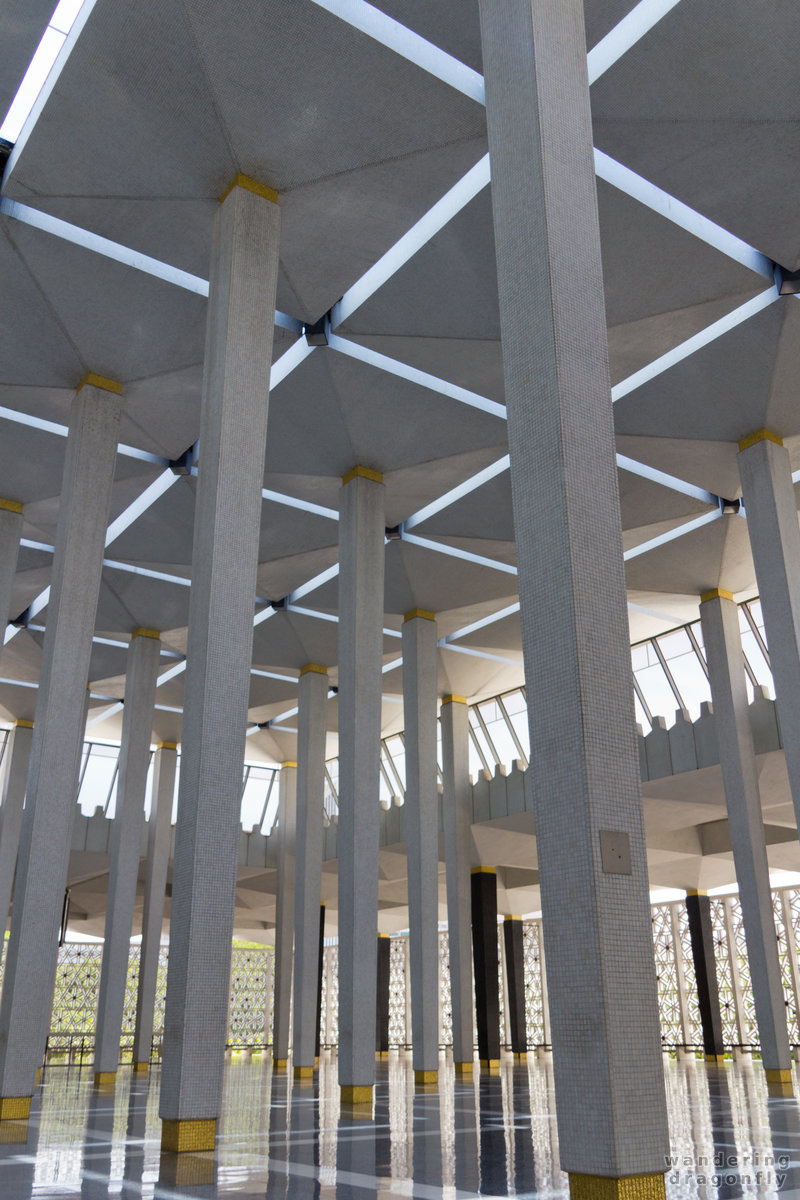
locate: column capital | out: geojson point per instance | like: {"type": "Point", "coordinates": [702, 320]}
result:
{"type": "Point", "coordinates": [290, 762]}
{"type": "Point", "coordinates": [362, 473]}
{"type": "Point", "coordinates": [146, 633]}
{"type": "Point", "coordinates": [453, 700]}
{"type": "Point", "coordinates": [167, 746]}
{"type": "Point", "coordinates": [484, 871]}
{"type": "Point", "coordinates": [249, 185]}
{"type": "Point", "coordinates": [696, 892]}
{"type": "Point", "coordinates": [760, 435]}
{"type": "Point", "coordinates": [313, 668]}
{"type": "Point", "coordinates": [11, 505]}
{"type": "Point", "coordinates": [100, 381]}
{"type": "Point", "coordinates": [422, 613]}
{"type": "Point", "coordinates": [715, 594]}
{"type": "Point", "coordinates": [23, 724]}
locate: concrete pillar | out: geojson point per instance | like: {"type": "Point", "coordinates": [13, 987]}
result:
{"type": "Point", "coordinates": [126, 840]}
{"type": "Point", "coordinates": [361, 568]}
{"type": "Point", "coordinates": [312, 728]}
{"type": "Point", "coordinates": [765, 472]}
{"type": "Point", "coordinates": [548, 1040]}
{"type": "Point", "coordinates": [158, 851]}
{"type": "Point", "coordinates": [723, 647]}
{"type": "Point", "coordinates": [233, 429]}
{"type": "Point", "coordinates": [320, 969]}
{"type": "Point", "coordinates": [484, 949]}
{"type": "Point", "coordinates": [284, 916]}
{"type": "Point", "coordinates": [610, 1100]}
{"type": "Point", "coordinates": [457, 814]}
{"type": "Point", "coordinates": [698, 908]}
{"type": "Point", "coordinates": [420, 654]}
{"type": "Point", "coordinates": [15, 777]}
{"type": "Point", "coordinates": [10, 533]}
{"type": "Point", "coordinates": [57, 738]}
{"type": "Point", "coordinates": [382, 1004]}
{"type": "Point", "coordinates": [515, 985]}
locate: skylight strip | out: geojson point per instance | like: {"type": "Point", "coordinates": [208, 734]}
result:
{"type": "Point", "coordinates": [31, 422]}
{"type": "Point", "coordinates": [273, 675]}
{"type": "Point", "coordinates": [403, 371]}
{"type": "Point", "coordinates": [147, 572]}
{"type": "Point", "coordinates": [39, 68]}
{"type": "Point", "coordinates": [313, 584]}
{"type": "Point", "coordinates": [669, 481]}
{"type": "Point", "coordinates": [24, 683]}
{"type": "Point", "coordinates": [512, 662]}
{"type": "Point", "coordinates": [106, 714]}
{"type": "Point", "coordinates": [639, 21]}
{"type": "Point", "coordinates": [140, 505]}
{"type": "Point", "coordinates": [331, 617]}
{"type": "Point", "coordinates": [650, 612]}
{"type": "Point", "coordinates": [409, 45]}
{"type": "Point", "coordinates": [501, 613]}
{"type": "Point", "coordinates": [287, 362]}
{"type": "Point", "coordinates": [304, 505]}
{"type": "Point", "coordinates": [456, 493]}
{"type": "Point", "coordinates": [417, 236]}
{"type": "Point", "coordinates": [391, 666]}
{"type": "Point", "coordinates": [454, 552]}
{"type": "Point", "coordinates": [671, 535]}
{"type": "Point", "coordinates": [661, 202]}
{"type": "Point", "coordinates": [27, 544]}
{"type": "Point", "coordinates": [695, 343]}
{"type": "Point", "coordinates": [171, 673]}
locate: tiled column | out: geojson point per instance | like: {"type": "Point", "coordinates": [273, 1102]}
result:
{"type": "Point", "coordinates": [361, 568]}
{"type": "Point", "coordinates": [159, 830]}
{"type": "Point", "coordinates": [723, 646]}
{"type": "Point", "coordinates": [514, 946]}
{"type": "Point", "coordinates": [233, 430]}
{"type": "Point", "coordinates": [484, 950]}
{"type": "Point", "coordinates": [765, 472]}
{"type": "Point", "coordinates": [457, 815]}
{"type": "Point", "coordinates": [10, 533]}
{"type": "Point", "coordinates": [312, 729]}
{"type": "Point", "coordinates": [284, 916]}
{"type": "Point", "coordinates": [701, 933]}
{"type": "Point", "coordinates": [610, 1101]}
{"type": "Point", "coordinates": [382, 1005]}
{"type": "Point", "coordinates": [15, 777]}
{"type": "Point", "coordinates": [57, 738]}
{"type": "Point", "coordinates": [126, 839]}
{"type": "Point", "coordinates": [320, 969]}
{"type": "Point", "coordinates": [420, 661]}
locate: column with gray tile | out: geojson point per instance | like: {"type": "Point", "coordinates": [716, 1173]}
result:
{"type": "Point", "coordinates": [723, 647]}
{"type": "Point", "coordinates": [420, 663]}
{"type": "Point", "coordinates": [10, 533]}
{"type": "Point", "coordinates": [765, 472]}
{"type": "Point", "coordinates": [361, 570]}
{"type": "Point", "coordinates": [311, 734]}
{"type": "Point", "coordinates": [126, 839]}
{"type": "Point", "coordinates": [15, 777]}
{"type": "Point", "coordinates": [233, 431]}
{"type": "Point", "coordinates": [610, 1101]}
{"type": "Point", "coordinates": [284, 916]}
{"type": "Point", "coordinates": [159, 833]}
{"type": "Point", "coordinates": [57, 737]}
{"type": "Point", "coordinates": [457, 819]}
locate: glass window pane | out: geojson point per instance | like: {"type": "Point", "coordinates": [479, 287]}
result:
{"type": "Point", "coordinates": [475, 764]}
{"type": "Point", "coordinates": [757, 661]}
{"type": "Point", "coordinates": [97, 777]}
{"type": "Point", "coordinates": [657, 692]}
{"type": "Point", "coordinates": [690, 680]}
{"type": "Point", "coordinates": [641, 718]}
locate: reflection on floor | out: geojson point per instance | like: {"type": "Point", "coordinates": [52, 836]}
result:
{"type": "Point", "coordinates": [494, 1135]}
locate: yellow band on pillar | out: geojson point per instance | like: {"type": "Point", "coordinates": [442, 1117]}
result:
{"type": "Point", "coordinates": [352, 1093]}
{"type": "Point", "coordinates": [778, 1074]}
{"type": "Point", "coordinates": [760, 435]}
{"type": "Point", "coordinates": [167, 746]}
{"type": "Point", "coordinates": [180, 1136]}
{"type": "Point", "coordinates": [313, 668]}
{"type": "Point", "coordinates": [510, 917]}
{"type": "Point", "coordinates": [99, 381]}
{"type": "Point", "coordinates": [289, 763]}
{"type": "Point", "coordinates": [633, 1187]}
{"type": "Point", "coordinates": [484, 871]}
{"type": "Point", "coordinates": [11, 505]}
{"type": "Point", "coordinates": [716, 594]}
{"type": "Point", "coordinates": [280, 1064]}
{"type": "Point", "coordinates": [463, 1068]}
{"type": "Point", "coordinates": [23, 724]}
{"type": "Point", "coordinates": [104, 1078]}
{"type": "Point", "coordinates": [15, 1108]}
{"type": "Point", "coordinates": [695, 892]}
{"type": "Point", "coordinates": [453, 700]}
{"type": "Point", "coordinates": [422, 613]}
{"type": "Point", "coordinates": [362, 473]}
{"type": "Point", "coordinates": [421, 1078]}
{"type": "Point", "coordinates": [141, 1068]}
{"type": "Point", "coordinates": [148, 633]}
{"type": "Point", "coordinates": [249, 185]}
{"type": "Point", "coordinates": [304, 1072]}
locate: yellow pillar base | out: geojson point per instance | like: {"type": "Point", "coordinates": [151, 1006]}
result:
{"type": "Point", "coordinates": [304, 1072]}
{"type": "Point", "coordinates": [13, 1133]}
{"type": "Point", "coordinates": [38, 1076]}
{"type": "Point", "coordinates": [632, 1187]}
{"type": "Point", "coordinates": [381, 1055]}
{"type": "Point", "coordinates": [492, 1065]}
{"type": "Point", "coordinates": [719, 1059]}
{"type": "Point", "coordinates": [426, 1078]}
{"type": "Point", "coordinates": [186, 1170]}
{"type": "Point", "coordinates": [521, 1057]}
{"type": "Point", "coordinates": [779, 1081]}
{"type": "Point", "coordinates": [105, 1078]}
{"type": "Point", "coordinates": [141, 1068]}
{"type": "Point", "coordinates": [177, 1137]}
{"type": "Point", "coordinates": [280, 1064]}
{"type": "Point", "coordinates": [356, 1094]}
{"type": "Point", "coordinates": [15, 1108]}
{"type": "Point", "coordinates": [463, 1068]}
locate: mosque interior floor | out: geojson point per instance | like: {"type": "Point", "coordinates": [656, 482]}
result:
{"type": "Point", "coordinates": [492, 1135]}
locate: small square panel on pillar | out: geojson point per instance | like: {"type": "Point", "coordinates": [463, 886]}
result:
{"type": "Point", "coordinates": [233, 432]}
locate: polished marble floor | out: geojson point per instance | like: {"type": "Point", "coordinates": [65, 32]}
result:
{"type": "Point", "coordinates": [492, 1136]}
